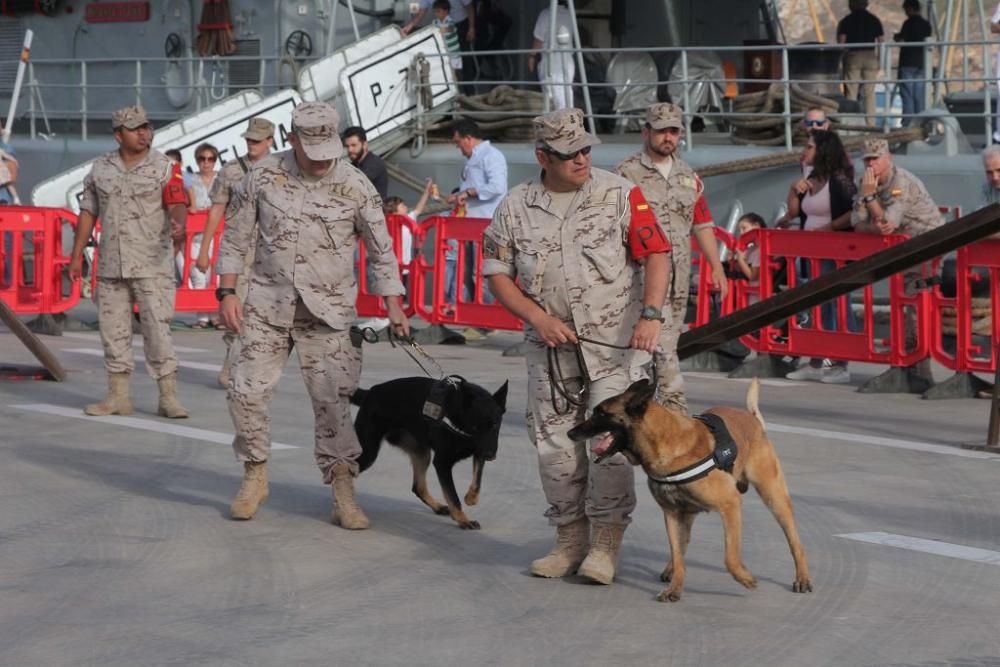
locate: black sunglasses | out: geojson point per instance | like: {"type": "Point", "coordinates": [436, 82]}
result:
{"type": "Point", "coordinates": [566, 157]}
{"type": "Point", "coordinates": [813, 123]}
{"type": "Point", "coordinates": [205, 158]}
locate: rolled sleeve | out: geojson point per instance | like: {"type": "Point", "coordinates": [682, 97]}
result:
{"type": "Point", "coordinates": [498, 247]}
{"type": "Point", "coordinates": [89, 200]}
{"type": "Point", "coordinates": [237, 233]}
{"type": "Point", "coordinates": [494, 176]}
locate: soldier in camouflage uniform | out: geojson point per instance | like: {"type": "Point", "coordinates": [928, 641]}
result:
{"type": "Point", "coordinates": [677, 196]}
{"type": "Point", "coordinates": [138, 193]}
{"type": "Point", "coordinates": [582, 242]}
{"type": "Point", "coordinates": [260, 138]}
{"type": "Point", "coordinates": [891, 200]}
{"type": "Point", "coordinates": [309, 208]}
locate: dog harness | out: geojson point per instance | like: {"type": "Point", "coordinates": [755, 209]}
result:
{"type": "Point", "coordinates": [723, 457]}
{"type": "Point", "coordinates": [433, 409]}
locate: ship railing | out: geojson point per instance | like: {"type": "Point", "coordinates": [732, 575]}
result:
{"type": "Point", "coordinates": [937, 84]}
{"type": "Point", "coordinates": [89, 90]}
{"type": "Point", "coordinates": [84, 91]}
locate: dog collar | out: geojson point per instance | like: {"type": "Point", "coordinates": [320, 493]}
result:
{"type": "Point", "coordinates": [722, 457]}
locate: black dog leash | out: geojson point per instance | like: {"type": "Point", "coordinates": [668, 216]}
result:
{"type": "Point", "coordinates": [406, 342]}
{"type": "Point", "coordinates": [557, 381]}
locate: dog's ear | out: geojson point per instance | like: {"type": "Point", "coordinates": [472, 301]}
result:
{"type": "Point", "coordinates": [638, 397]}
{"type": "Point", "coordinates": [501, 396]}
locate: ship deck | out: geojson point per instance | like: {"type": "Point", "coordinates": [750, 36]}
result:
{"type": "Point", "coordinates": [117, 548]}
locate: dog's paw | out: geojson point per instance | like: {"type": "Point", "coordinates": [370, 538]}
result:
{"type": "Point", "coordinates": [472, 498]}
{"type": "Point", "coordinates": [669, 595]}
{"type": "Point", "coordinates": [802, 586]}
{"type": "Point", "coordinates": [442, 510]}
{"type": "Point", "coordinates": [747, 579]}
{"type": "Point", "coordinates": [469, 524]}
{"type": "Point", "coordinates": [668, 573]}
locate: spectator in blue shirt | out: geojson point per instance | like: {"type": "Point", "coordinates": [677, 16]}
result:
{"type": "Point", "coordinates": [483, 185]}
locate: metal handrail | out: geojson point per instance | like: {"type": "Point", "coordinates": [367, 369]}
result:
{"type": "Point", "coordinates": [84, 72]}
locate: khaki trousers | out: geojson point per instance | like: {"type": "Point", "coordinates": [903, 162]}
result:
{"type": "Point", "coordinates": [860, 65]}
{"type": "Point", "coordinates": [331, 368]}
{"type": "Point", "coordinates": [574, 486]}
{"type": "Point", "coordinates": [116, 298]}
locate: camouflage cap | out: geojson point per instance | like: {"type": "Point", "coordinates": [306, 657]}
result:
{"type": "Point", "coordinates": [315, 124]}
{"type": "Point", "coordinates": [563, 131]}
{"type": "Point", "coordinates": [129, 117]}
{"type": "Point", "coordinates": [874, 147]}
{"type": "Point", "coordinates": [259, 129]}
{"type": "Point", "coordinates": [663, 115]}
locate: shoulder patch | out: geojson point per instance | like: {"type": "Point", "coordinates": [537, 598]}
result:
{"type": "Point", "coordinates": [897, 192]}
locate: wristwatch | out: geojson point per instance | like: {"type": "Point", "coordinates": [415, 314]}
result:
{"type": "Point", "coordinates": [222, 292]}
{"type": "Point", "coordinates": [868, 198]}
{"type": "Point", "coordinates": [652, 313]}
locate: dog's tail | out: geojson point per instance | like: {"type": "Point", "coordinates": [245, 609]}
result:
{"type": "Point", "coordinates": [358, 397]}
{"type": "Point", "coordinates": [752, 395]}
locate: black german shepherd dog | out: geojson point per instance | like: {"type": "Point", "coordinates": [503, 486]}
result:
{"type": "Point", "coordinates": [450, 419]}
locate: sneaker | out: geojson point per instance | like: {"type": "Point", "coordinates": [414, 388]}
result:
{"type": "Point", "coordinates": [471, 333]}
{"type": "Point", "coordinates": [807, 372]}
{"type": "Point", "coordinates": [836, 375]}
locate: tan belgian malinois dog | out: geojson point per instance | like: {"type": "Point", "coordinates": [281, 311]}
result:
{"type": "Point", "coordinates": [686, 462]}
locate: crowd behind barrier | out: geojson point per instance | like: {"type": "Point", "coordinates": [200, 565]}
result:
{"type": "Point", "coordinates": [970, 301]}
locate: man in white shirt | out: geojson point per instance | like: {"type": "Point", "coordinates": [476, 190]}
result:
{"type": "Point", "coordinates": [557, 69]}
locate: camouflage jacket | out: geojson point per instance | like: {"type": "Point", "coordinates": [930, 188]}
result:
{"type": "Point", "coordinates": [308, 234]}
{"type": "Point", "coordinates": [135, 226]}
{"type": "Point", "coordinates": [678, 203]}
{"type": "Point", "coordinates": [230, 177]}
{"type": "Point", "coordinates": [601, 283]}
{"type": "Point", "coordinates": [905, 201]}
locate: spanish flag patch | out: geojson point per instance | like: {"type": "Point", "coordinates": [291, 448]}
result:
{"type": "Point", "coordinates": [897, 193]}
{"type": "Point", "coordinates": [642, 207]}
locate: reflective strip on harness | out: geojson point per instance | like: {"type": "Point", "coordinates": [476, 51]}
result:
{"type": "Point", "coordinates": [723, 456]}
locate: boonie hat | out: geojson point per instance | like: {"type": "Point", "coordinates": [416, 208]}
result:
{"type": "Point", "coordinates": [129, 117]}
{"type": "Point", "coordinates": [563, 131]}
{"type": "Point", "coordinates": [315, 124]}
{"type": "Point", "coordinates": [875, 147]}
{"type": "Point", "coordinates": [663, 115]}
{"type": "Point", "coordinates": [259, 129]}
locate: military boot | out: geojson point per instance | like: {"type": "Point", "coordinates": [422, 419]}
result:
{"type": "Point", "coordinates": [117, 402]}
{"type": "Point", "coordinates": [569, 552]}
{"type": "Point", "coordinates": [600, 563]}
{"type": "Point", "coordinates": [169, 405]}
{"type": "Point", "coordinates": [253, 491]}
{"type": "Point", "coordinates": [346, 512]}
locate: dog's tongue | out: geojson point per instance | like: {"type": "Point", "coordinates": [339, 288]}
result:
{"type": "Point", "coordinates": [602, 445]}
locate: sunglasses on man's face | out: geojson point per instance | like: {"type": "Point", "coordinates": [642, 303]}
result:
{"type": "Point", "coordinates": [814, 123]}
{"type": "Point", "coordinates": [206, 158]}
{"type": "Point", "coordinates": [566, 157]}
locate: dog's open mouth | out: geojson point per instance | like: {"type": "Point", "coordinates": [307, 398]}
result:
{"type": "Point", "coordinates": [605, 446]}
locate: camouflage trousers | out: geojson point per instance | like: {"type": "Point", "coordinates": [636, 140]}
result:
{"type": "Point", "coordinates": [231, 339]}
{"type": "Point", "coordinates": [574, 486]}
{"type": "Point", "coordinates": [331, 368]}
{"type": "Point", "coordinates": [669, 381]}
{"type": "Point", "coordinates": [115, 300]}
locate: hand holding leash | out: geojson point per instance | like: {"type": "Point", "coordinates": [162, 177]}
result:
{"type": "Point", "coordinates": [399, 322]}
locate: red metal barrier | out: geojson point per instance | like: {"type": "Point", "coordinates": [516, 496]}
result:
{"type": "Point", "coordinates": [372, 305]}
{"type": "Point", "coordinates": [707, 297]}
{"type": "Point", "coordinates": [33, 258]}
{"type": "Point", "coordinates": [977, 273]}
{"type": "Point", "coordinates": [474, 312]}
{"type": "Point", "coordinates": [201, 299]}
